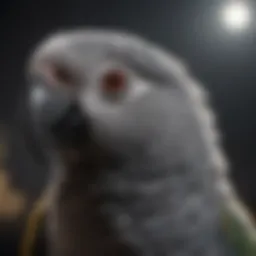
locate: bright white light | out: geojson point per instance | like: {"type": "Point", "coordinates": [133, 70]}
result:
{"type": "Point", "coordinates": [236, 15]}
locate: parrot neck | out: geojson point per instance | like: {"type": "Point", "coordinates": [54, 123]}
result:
{"type": "Point", "coordinates": [173, 210]}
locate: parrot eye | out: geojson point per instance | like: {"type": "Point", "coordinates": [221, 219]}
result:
{"type": "Point", "coordinates": [59, 75]}
{"type": "Point", "coordinates": [114, 82]}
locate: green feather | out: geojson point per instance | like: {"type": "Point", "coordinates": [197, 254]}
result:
{"type": "Point", "coordinates": [242, 239]}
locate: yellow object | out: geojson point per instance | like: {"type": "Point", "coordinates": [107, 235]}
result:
{"type": "Point", "coordinates": [32, 227]}
{"type": "Point", "coordinates": [12, 201]}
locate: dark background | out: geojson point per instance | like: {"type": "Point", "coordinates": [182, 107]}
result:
{"type": "Point", "coordinates": [225, 62]}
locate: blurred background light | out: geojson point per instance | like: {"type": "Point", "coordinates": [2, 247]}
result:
{"type": "Point", "coordinates": [236, 15]}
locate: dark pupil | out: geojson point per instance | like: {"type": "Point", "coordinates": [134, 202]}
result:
{"type": "Point", "coordinates": [114, 81]}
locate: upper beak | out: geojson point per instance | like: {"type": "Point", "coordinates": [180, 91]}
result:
{"type": "Point", "coordinates": [58, 116]}
{"type": "Point", "coordinates": [47, 106]}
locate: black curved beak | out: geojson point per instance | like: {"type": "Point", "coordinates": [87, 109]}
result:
{"type": "Point", "coordinates": [71, 129]}
{"type": "Point", "coordinates": [58, 117]}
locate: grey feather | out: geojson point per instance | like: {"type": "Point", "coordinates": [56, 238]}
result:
{"type": "Point", "coordinates": [155, 184]}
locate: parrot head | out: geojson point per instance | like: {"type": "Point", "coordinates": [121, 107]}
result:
{"type": "Point", "coordinates": [136, 103]}
{"type": "Point", "coordinates": [103, 87]}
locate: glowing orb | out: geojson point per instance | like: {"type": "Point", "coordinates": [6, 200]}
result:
{"type": "Point", "coordinates": [236, 15]}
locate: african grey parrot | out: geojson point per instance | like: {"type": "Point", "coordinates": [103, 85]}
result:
{"type": "Point", "coordinates": [137, 163]}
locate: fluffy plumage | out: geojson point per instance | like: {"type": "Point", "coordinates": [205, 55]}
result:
{"type": "Point", "coordinates": [147, 175]}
